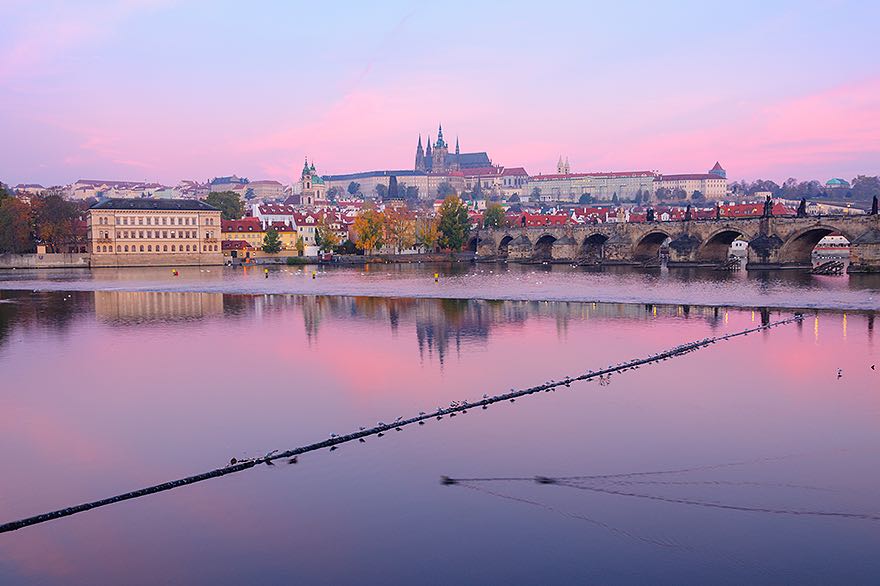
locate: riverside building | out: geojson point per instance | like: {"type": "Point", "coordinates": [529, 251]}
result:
{"type": "Point", "coordinates": [152, 232]}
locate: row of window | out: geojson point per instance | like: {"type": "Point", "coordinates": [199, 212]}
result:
{"type": "Point", "coordinates": [151, 234]}
{"type": "Point", "coordinates": [149, 248]}
{"type": "Point", "coordinates": [155, 221]}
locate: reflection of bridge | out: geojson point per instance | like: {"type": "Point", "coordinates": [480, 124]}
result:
{"type": "Point", "coordinates": [774, 242]}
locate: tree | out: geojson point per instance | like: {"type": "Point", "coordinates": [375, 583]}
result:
{"type": "Point", "coordinates": [663, 193]}
{"type": "Point", "coordinates": [381, 190]}
{"type": "Point", "coordinates": [536, 193]}
{"type": "Point", "coordinates": [15, 226]}
{"type": "Point", "coordinates": [55, 221]}
{"type": "Point", "coordinates": [698, 196]}
{"type": "Point", "coordinates": [271, 242]}
{"type": "Point", "coordinates": [300, 246]}
{"type": "Point", "coordinates": [679, 194]}
{"type": "Point", "coordinates": [411, 194]}
{"type": "Point", "coordinates": [228, 202]}
{"type": "Point", "coordinates": [400, 230]}
{"type": "Point", "coordinates": [585, 198]}
{"type": "Point", "coordinates": [369, 230]}
{"type": "Point", "coordinates": [249, 193]}
{"type": "Point", "coordinates": [326, 238]}
{"type": "Point", "coordinates": [454, 223]}
{"type": "Point", "coordinates": [445, 190]}
{"type": "Point", "coordinates": [614, 199]}
{"type": "Point", "coordinates": [513, 198]}
{"type": "Point", "coordinates": [494, 216]}
{"type": "Point", "coordinates": [354, 188]}
{"type": "Point", "coordinates": [392, 188]}
{"type": "Point", "coordinates": [427, 233]}
{"type": "Point", "coordinates": [864, 188]}
{"type": "Point", "coordinates": [639, 198]}
{"type": "Point", "coordinates": [333, 193]}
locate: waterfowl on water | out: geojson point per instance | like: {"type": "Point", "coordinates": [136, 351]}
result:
{"type": "Point", "coordinates": [293, 460]}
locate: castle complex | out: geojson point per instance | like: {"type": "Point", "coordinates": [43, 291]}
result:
{"type": "Point", "coordinates": [437, 159]}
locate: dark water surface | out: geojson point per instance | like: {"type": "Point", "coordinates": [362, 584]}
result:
{"type": "Point", "coordinates": [110, 390]}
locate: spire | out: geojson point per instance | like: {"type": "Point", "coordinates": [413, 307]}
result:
{"type": "Point", "coordinates": [305, 167]}
{"type": "Point", "coordinates": [420, 142]}
{"type": "Point", "coordinates": [428, 150]}
{"type": "Point", "coordinates": [457, 150]}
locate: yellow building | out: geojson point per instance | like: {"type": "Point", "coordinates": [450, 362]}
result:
{"type": "Point", "coordinates": [253, 231]}
{"type": "Point", "coordinates": [153, 232]}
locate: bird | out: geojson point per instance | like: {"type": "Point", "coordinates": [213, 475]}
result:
{"type": "Point", "coordinates": [233, 462]}
{"type": "Point", "coordinates": [397, 429]}
{"type": "Point", "coordinates": [485, 396]}
{"type": "Point", "coordinates": [512, 400]}
{"type": "Point", "coordinates": [332, 448]}
{"type": "Point", "coordinates": [421, 422]}
{"type": "Point", "coordinates": [839, 372]}
{"type": "Point", "coordinates": [872, 367]}
{"type": "Point", "coordinates": [380, 434]}
{"type": "Point", "coordinates": [269, 462]}
{"type": "Point", "coordinates": [333, 435]}
{"type": "Point", "coordinates": [293, 460]}
{"type": "Point", "coordinates": [362, 440]}
{"type": "Point", "coordinates": [485, 406]}
{"type": "Point", "coordinates": [361, 428]}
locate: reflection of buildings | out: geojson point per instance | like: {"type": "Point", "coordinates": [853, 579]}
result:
{"type": "Point", "coordinates": [158, 306]}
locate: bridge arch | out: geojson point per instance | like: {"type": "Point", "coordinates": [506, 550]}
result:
{"type": "Point", "coordinates": [716, 248]}
{"type": "Point", "coordinates": [798, 248]}
{"type": "Point", "coordinates": [648, 246]}
{"type": "Point", "coordinates": [593, 248]}
{"type": "Point", "coordinates": [543, 248]}
{"type": "Point", "coordinates": [504, 246]}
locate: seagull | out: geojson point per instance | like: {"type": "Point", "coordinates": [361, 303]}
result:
{"type": "Point", "coordinates": [361, 428]}
{"type": "Point", "coordinates": [839, 372]}
{"type": "Point", "coordinates": [872, 367]}
{"type": "Point", "coordinates": [380, 434]}
{"type": "Point", "coordinates": [233, 462]}
{"type": "Point", "coordinates": [269, 462]}
{"type": "Point", "coordinates": [332, 448]}
{"type": "Point", "coordinates": [293, 460]}
{"type": "Point", "coordinates": [362, 440]}
{"type": "Point", "coordinates": [421, 422]}
{"type": "Point", "coordinates": [397, 429]}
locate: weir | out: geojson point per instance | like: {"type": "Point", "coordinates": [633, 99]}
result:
{"type": "Point", "coordinates": [333, 442]}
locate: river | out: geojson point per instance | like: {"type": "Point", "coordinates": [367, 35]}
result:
{"type": "Point", "coordinates": [752, 460]}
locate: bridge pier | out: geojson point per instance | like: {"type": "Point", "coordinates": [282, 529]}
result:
{"type": "Point", "coordinates": [864, 253]}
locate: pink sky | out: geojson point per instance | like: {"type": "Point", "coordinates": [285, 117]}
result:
{"type": "Point", "coordinates": [164, 90]}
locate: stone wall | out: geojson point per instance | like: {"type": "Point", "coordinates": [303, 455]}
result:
{"type": "Point", "coordinates": [156, 260]}
{"type": "Point", "coordinates": [44, 261]}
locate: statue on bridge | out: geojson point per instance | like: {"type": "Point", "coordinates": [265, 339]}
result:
{"type": "Point", "coordinates": [874, 206]}
{"type": "Point", "coordinates": [717, 211]}
{"type": "Point", "coordinates": [649, 216]}
{"type": "Point", "coordinates": [688, 214]}
{"type": "Point", "coordinates": [802, 208]}
{"type": "Point", "coordinates": [768, 207]}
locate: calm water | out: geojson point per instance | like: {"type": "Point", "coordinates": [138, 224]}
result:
{"type": "Point", "coordinates": [110, 390]}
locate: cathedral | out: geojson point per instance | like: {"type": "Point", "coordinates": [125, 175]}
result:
{"type": "Point", "coordinates": [437, 159]}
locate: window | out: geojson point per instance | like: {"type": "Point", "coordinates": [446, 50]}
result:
{"type": "Point", "coordinates": [164, 234]}
{"type": "Point", "coordinates": [164, 221]}
{"type": "Point", "coordinates": [142, 247]}
{"type": "Point", "coordinates": [173, 248]}
{"type": "Point", "coordinates": [141, 234]}
{"type": "Point", "coordinates": [118, 248]}
{"type": "Point", "coordinates": [164, 248]}
{"type": "Point", "coordinates": [187, 247]}
{"type": "Point", "coordinates": [126, 248]}
{"type": "Point", "coordinates": [149, 248]}
{"type": "Point", "coordinates": [140, 221]}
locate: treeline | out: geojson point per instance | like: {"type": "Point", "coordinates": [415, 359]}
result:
{"type": "Point", "coordinates": [48, 220]}
{"type": "Point", "coordinates": [399, 229]}
{"type": "Point", "coordinates": [862, 188]}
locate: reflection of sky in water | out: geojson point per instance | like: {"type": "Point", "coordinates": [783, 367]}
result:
{"type": "Point", "coordinates": [105, 392]}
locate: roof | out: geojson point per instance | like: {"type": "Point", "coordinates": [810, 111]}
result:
{"type": "Point", "coordinates": [689, 177]}
{"type": "Point", "coordinates": [235, 245]}
{"type": "Point", "coordinates": [482, 171]}
{"type": "Point", "coordinates": [242, 225]}
{"type": "Point", "coordinates": [229, 179]}
{"type": "Point", "coordinates": [276, 209]}
{"type": "Point", "coordinates": [372, 174]}
{"type": "Point", "coordinates": [145, 204]}
{"type": "Point", "coordinates": [266, 182]}
{"type": "Point", "coordinates": [717, 167]}
{"type": "Point", "coordinates": [598, 174]}
{"type": "Point", "coordinates": [515, 171]}
{"type": "Point", "coordinates": [471, 160]}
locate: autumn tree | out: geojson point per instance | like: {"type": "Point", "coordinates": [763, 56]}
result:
{"type": "Point", "coordinates": [369, 230]}
{"type": "Point", "coordinates": [427, 233]}
{"type": "Point", "coordinates": [400, 230]}
{"type": "Point", "coordinates": [55, 221]}
{"type": "Point", "coordinates": [445, 190]}
{"type": "Point", "coordinates": [326, 238]}
{"type": "Point", "coordinates": [228, 202]}
{"type": "Point", "coordinates": [454, 223]}
{"type": "Point", "coordinates": [494, 216]}
{"type": "Point", "coordinates": [271, 241]}
{"type": "Point", "coordinates": [300, 246]}
{"type": "Point", "coordinates": [15, 226]}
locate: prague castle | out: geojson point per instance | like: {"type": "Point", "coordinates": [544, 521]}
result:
{"type": "Point", "coordinates": [437, 159]}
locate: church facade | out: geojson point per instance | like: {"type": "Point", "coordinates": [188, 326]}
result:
{"type": "Point", "coordinates": [436, 158]}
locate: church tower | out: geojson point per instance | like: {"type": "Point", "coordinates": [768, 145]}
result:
{"type": "Point", "coordinates": [429, 157]}
{"type": "Point", "coordinates": [420, 156]}
{"type": "Point", "coordinates": [441, 150]}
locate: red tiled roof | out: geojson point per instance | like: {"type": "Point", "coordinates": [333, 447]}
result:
{"type": "Point", "coordinates": [235, 245]}
{"type": "Point", "coordinates": [515, 171]}
{"type": "Point", "coordinates": [688, 177]}
{"type": "Point", "coordinates": [243, 225]}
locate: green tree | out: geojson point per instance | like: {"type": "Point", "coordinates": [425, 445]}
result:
{"type": "Point", "coordinates": [228, 202]}
{"type": "Point", "coordinates": [333, 193]}
{"type": "Point", "coordinates": [249, 193]}
{"type": "Point", "coordinates": [585, 199]}
{"type": "Point", "coordinates": [445, 190]}
{"type": "Point", "coordinates": [698, 196]}
{"type": "Point", "coordinates": [300, 246]}
{"type": "Point", "coordinates": [494, 216]}
{"type": "Point", "coordinates": [614, 199]}
{"type": "Point", "coordinates": [354, 188]}
{"type": "Point", "coordinates": [381, 190]}
{"type": "Point", "coordinates": [411, 193]}
{"type": "Point", "coordinates": [536, 193]}
{"type": "Point", "coordinates": [454, 223]}
{"type": "Point", "coordinates": [271, 242]}
{"type": "Point", "coordinates": [864, 188]}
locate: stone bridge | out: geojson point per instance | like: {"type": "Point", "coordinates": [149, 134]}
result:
{"type": "Point", "coordinates": [774, 242]}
